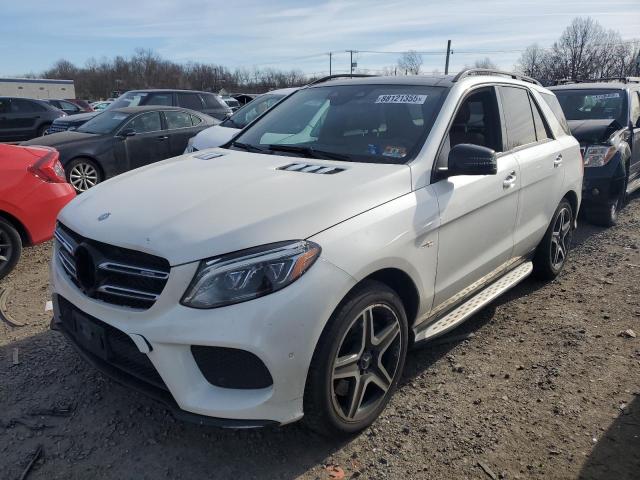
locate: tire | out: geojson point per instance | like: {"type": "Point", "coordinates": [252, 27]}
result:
{"type": "Point", "coordinates": [10, 247]}
{"type": "Point", "coordinates": [83, 173]}
{"type": "Point", "coordinates": [607, 216]}
{"type": "Point", "coordinates": [330, 404]}
{"type": "Point", "coordinates": [43, 129]}
{"type": "Point", "coordinates": [551, 254]}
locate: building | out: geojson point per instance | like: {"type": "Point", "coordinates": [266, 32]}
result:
{"type": "Point", "coordinates": [37, 88]}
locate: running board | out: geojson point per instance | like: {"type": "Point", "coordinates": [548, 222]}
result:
{"type": "Point", "coordinates": [474, 304]}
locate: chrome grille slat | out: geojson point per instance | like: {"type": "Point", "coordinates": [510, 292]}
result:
{"type": "Point", "coordinates": [67, 264]}
{"type": "Point", "coordinates": [126, 292]}
{"type": "Point", "coordinates": [133, 270]}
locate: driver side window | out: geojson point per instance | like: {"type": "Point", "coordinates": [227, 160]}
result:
{"type": "Point", "coordinates": [145, 123]}
{"type": "Point", "coordinates": [477, 121]}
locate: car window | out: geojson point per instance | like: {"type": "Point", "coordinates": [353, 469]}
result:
{"type": "Point", "coordinates": [518, 117]}
{"type": "Point", "coordinates": [19, 105]}
{"type": "Point", "coordinates": [106, 122]}
{"type": "Point", "coordinates": [5, 105]}
{"type": "Point", "coordinates": [211, 101]}
{"type": "Point", "coordinates": [145, 123]}
{"type": "Point", "coordinates": [177, 119]}
{"type": "Point", "coordinates": [251, 111]}
{"type": "Point", "coordinates": [164, 98]}
{"type": "Point", "coordinates": [594, 104]}
{"type": "Point", "coordinates": [362, 123]}
{"type": "Point", "coordinates": [195, 120]}
{"type": "Point", "coordinates": [68, 106]}
{"type": "Point", "coordinates": [190, 100]}
{"type": "Point", "coordinates": [635, 107]}
{"type": "Point", "coordinates": [552, 102]}
{"type": "Point", "coordinates": [542, 129]}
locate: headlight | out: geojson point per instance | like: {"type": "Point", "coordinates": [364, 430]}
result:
{"type": "Point", "coordinates": [249, 274]}
{"type": "Point", "coordinates": [598, 155]}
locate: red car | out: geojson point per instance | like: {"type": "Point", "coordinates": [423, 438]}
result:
{"type": "Point", "coordinates": [33, 189]}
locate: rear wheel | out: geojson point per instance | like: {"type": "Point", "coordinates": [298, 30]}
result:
{"type": "Point", "coordinates": [552, 252]}
{"type": "Point", "coordinates": [10, 247]}
{"type": "Point", "coordinates": [358, 362]}
{"type": "Point", "coordinates": [83, 173]}
{"type": "Point", "coordinates": [43, 130]}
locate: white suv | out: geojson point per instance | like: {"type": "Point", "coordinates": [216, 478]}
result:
{"type": "Point", "coordinates": [288, 274]}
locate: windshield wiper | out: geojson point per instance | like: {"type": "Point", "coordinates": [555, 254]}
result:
{"type": "Point", "coordinates": [309, 152]}
{"type": "Point", "coordinates": [248, 147]}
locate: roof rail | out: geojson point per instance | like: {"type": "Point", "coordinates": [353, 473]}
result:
{"type": "Point", "coordinates": [340, 75]}
{"type": "Point", "coordinates": [488, 71]}
{"type": "Point", "coordinates": [565, 81]}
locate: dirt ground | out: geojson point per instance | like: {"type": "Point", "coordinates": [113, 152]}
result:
{"type": "Point", "coordinates": [544, 388]}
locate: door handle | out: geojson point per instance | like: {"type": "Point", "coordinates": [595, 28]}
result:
{"type": "Point", "coordinates": [160, 139]}
{"type": "Point", "coordinates": [558, 161]}
{"type": "Point", "coordinates": [510, 180]}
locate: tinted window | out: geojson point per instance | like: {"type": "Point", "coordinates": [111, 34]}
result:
{"type": "Point", "coordinates": [211, 101]}
{"type": "Point", "coordinates": [477, 121]}
{"type": "Point", "coordinates": [190, 100]}
{"type": "Point", "coordinates": [518, 117]}
{"type": "Point", "coordinates": [147, 122]}
{"type": "Point", "coordinates": [164, 98]}
{"type": "Point", "coordinates": [251, 111]}
{"type": "Point", "coordinates": [69, 107]}
{"type": "Point", "coordinates": [5, 105]}
{"type": "Point", "coordinates": [635, 107]}
{"type": "Point", "coordinates": [362, 123]}
{"type": "Point", "coordinates": [19, 105]}
{"type": "Point", "coordinates": [553, 103]}
{"type": "Point", "coordinates": [542, 130]}
{"type": "Point", "coordinates": [195, 120]}
{"type": "Point", "coordinates": [593, 104]}
{"type": "Point", "coordinates": [134, 99]}
{"type": "Point", "coordinates": [177, 120]}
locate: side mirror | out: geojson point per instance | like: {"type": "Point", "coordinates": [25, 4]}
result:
{"type": "Point", "coordinates": [127, 132]}
{"type": "Point", "coordinates": [469, 159]}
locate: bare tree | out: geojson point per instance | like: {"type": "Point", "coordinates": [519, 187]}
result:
{"type": "Point", "coordinates": [485, 63]}
{"type": "Point", "coordinates": [533, 62]}
{"type": "Point", "coordinates": [410, 63]}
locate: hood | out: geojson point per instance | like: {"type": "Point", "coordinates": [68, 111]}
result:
{"type": "Point", "coordinates": [593, 131]}
{"type": "Point", "coordinates": [213, 137]}
{"type": "Point", "coordinates": [61, 139]}
{"type": "Point", "coordinates": [192, 207]}
{"type": "Point", "coordinates": [77, 119]}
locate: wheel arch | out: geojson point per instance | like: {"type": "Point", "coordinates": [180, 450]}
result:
{"type": "Point", "coordinates": [572, 197]}
{"type": "Point", "coordinates": [400, 282]}
{"type": "Point", "coordinates": [18, 225]}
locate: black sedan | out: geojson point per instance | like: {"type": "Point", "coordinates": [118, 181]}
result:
{"type": "Point", "coordinates": [24, 118]}
{"type": "Point", "coordinates": [122, 139]}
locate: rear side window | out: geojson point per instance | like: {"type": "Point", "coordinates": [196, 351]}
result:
{"type": "Point", "coordinates": [5, 105]}
{"type": "Point", "coordinates": [177, 120]}
{"type": "Point", "coordinates": [22, 106]}
{"type": "Point", "coordinates": [518, 117]}
{"type": "Point", "coordinates": [190, 100]}
{"type": "Point", "coordinates": [553, 103]}
{"type": "Point", "coordinates": [211, 101]}
{"type": "Point", "coordinates": [159, 99]}
{"type": "Point", "coordinates": [542, 129]}
{"type": "Point", "coordinates": [195, 120]}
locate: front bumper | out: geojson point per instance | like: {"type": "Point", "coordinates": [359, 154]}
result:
{"type": "Point", "coordinates": [602, 184]}
{"type": "Point", "coordinates": [281, 329]}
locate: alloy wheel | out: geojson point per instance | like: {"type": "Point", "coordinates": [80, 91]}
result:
{"type": "Point", "coordinates": [83, 176]}
{"type": "Point", "coordinates": [6, 248]}
{"type": "Point", "coordinates": [560, 238]}
{"type": "Point", "coordinates": [366, 363]}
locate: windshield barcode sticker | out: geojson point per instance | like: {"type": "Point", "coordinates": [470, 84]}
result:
{"type": "Point", "coordinates": [605, 96]}
{"type": "Point", "coordinates": [410, 99]}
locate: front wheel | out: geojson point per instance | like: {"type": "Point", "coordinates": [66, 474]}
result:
{"type": "Point", "coordinates": [83, 173]}
{"type": "Point", "coordinates": [10, 247]}
{"type": "Point", "coordinates": [358, 361]}
{"type": "Point", "coordinates": [552, 252]}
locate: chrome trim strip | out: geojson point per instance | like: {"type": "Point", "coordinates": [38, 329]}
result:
{"type": "Point", "coordinates": [126, 292]}
{"type": "Point", "coordinates": [67, 264]}
{"type": "Point", "coordinates": [68, 244]}
{"type": "Point", "coordinates": [133, 270]}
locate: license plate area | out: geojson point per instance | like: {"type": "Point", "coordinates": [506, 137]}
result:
{"type": "Point", "coordinates": [89, 335]}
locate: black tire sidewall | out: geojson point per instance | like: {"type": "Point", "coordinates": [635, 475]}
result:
{"type": "Point", "coordinates": [319, 385]}
{"type": "Point", "coordinates": [16, 241]}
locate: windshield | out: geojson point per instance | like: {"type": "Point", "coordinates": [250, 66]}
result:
{"type": "Point", "coordinates": [106, 122]}
{"type": "Point", "coordinates": [597, 104]}
{"type": "Point", "coordinates": [134, 99]}
{"type": "Point", "coordinates": [252, 110]}
{"type": "Point", "coordinates": [360, 123]}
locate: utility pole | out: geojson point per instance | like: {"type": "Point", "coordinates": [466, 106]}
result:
{"type": "Point", "coordinates": [330, 53]}
{"type": "Point", "coordinates": [351, 64]}
{"type": "Point", "coordinates": [446, 63]}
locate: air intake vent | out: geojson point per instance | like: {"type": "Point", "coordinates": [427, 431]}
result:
{"type": "Point", "coordinates": [308, 168]}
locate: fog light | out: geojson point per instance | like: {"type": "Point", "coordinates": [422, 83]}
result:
{"type": "Point", "coordinates": [595, 191]}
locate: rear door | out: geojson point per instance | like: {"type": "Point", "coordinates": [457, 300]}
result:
{"type": "Point", "coordinates": [634, 169]}
{"type": "Point", "coordinates": [540, 159]}
{"type": "Point", "coordinates": [180, 128]}
{"type": "Point", "coordinates": [23, 118]}
{"type": "Point", "coordinates": [150, 142]}
{"type": "Point", "coordinates": [477, 213]}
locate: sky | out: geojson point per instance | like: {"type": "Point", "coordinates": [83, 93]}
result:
{"type": "Point", "coordinates": [292, 34]}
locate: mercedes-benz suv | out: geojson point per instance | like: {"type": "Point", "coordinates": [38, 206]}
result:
{"type": "Point", "coordinates": [286, 275]}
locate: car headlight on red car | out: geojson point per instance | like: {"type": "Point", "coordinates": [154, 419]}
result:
{"type": "Point", "coordinates": [599, 155]}
{"type": "Point", "coordinates": [249, 274]}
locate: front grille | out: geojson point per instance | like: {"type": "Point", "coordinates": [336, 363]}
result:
{"type": "Point", "coordinates": [117, 348]}
{"type": "Point", "coordinates": [57, 127]}
{"type": "Point", "coordinates": [231, 367]}
{"type": "Point", "coordinates": [112, 274]}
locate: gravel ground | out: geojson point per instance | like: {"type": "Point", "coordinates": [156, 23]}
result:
{"type": "Point", "coordinates": [545, 387]}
